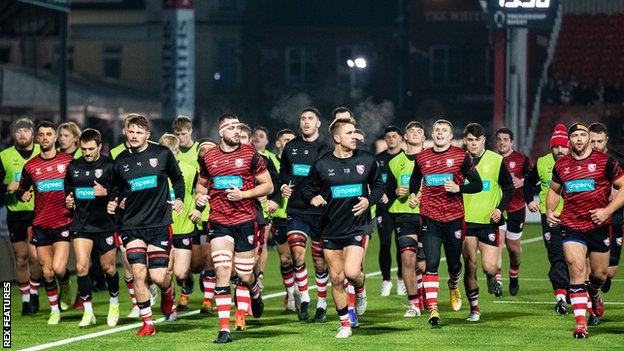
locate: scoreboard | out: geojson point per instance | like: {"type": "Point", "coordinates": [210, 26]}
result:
{"type": "Point", "coordinates": [521, 13]}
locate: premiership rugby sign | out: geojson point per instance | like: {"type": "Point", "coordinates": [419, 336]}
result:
{"type": "Point", "coordinates": [521, 13]}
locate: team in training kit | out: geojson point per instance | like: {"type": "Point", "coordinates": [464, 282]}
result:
{"type": "Point", "coordinates": [180, 214]}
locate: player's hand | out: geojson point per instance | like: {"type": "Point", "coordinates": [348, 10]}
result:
{"type": "Point", "coordinates": [414, 200]}
{"type": "Point", "coordinates": [402, 190]}
{"type": "Point", "coordinates": [26, 196]}
{"type": "Point", "coordinates": [318, 201]}
{"type": "Point", "coordinates": [451, 187]}
{"type": "Point", "coordinates": [384, 199]}
{"type": "Point", "coordinates": [533, 206]}
{"type": "Point", "coordinates": [13, 186]}
{"type": "Point", "coordinates": [360, 207]}
{"type": "Point", "coordinates": [234, 194]}
{"type": "Point", "coordinates": [177, 205]}
{"type": "Point", "coordinates": [552, 218]}
{"type": "Point", "coordinates": [496, 215]}
{"type": "Point", "coordinates": [99, 190]}
{"type": "Point", "coordinates": [201, 200]}
{"type": "Point", "coordinates": [517, 182]}
{"type": "Point", "coordinates": [69, 201]}
{"type": "Point", "coordinates": [599, 216]}
{"type": "Point", "coordinates": [272, 206]}
{"type": "Point", "coordinates": [287, 190]}
{"type": "Point", "coordinates": [111, 207]}
{"type": "Point", "coordinates": [122, 204]}
{"type": "Point", "coordinates": [195, 216]}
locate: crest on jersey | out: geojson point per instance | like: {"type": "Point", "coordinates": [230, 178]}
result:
{"type": "Point", "coordinates": [239, 162]}
{"type": "Point", "coordinates": [153, 162]}
{"type": "Point", "coordinates": [618, 241]}
{"type": "Point", "coordinates": [458, 234]}
{"type": "Point", "coordinates": [110, 240]}
{"type": "Point", "coordinates": [360, 169]}
{"type": "Point", "coordinates": [512, 164]}
{"type": "Point", "coordinates": [250, 239]}
{"type": "Point", "coordinates": [450, 162]}
{"type": "Point", "coordinates": [492, 237]}
{"type": "Point", "coordinates": [606, 242]}
{"type": "Point", "coordinates": [547, 236]}
{"type": "Point", "coordinates": [98, 173]}
{"type": "Point", "coordinates": [186, 241]}
{"type": "Point", "coordinates": [358, 238]}
{"type": "Point", "coordinates": [60, 168]}
{"type": "Point", "coordinates": [65, 233]}
{"type": "Point", "coordinates": [591, 167]}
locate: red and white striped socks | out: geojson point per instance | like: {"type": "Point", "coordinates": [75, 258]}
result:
{"type": "Point", "coordinates": [579, 299]}
{"type": "Point", "coordinates": [431, 283]}
{"type": "Point", "coordinates": [52, 292]}
{"type": "Point", "coordinates": [223, 300]}
{"type": "Point", "coordinates": [130, 286]}
{"type": "Point", "coordinates": [209, 282]}
{"type": "Point", "coordinates": [146, 312]}
{"type": "Point", "coordinates": [322, 278]}
{"type": "Point", "coordinates": [301, 278]}
{"type": "Point", "coordinates": [25, 291]}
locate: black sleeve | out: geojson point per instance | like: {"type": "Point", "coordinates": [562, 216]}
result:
{"type": "Point", "coordinates": [68, 182]}
{"type": "Point", "coordinates": [555, 176]}
{"type": "Point", "coordinates": [285, 168]}
{"type": "Point", "coordinates": [175, 175]}
{"type": "Point", "coordinates": [118, 185]}
{"type": "Point", "coordinates": [312, 185]}
{"type": "Point", "coordinates": [376, 184]}
{"type": "Point", "coordinates": [276, 195]}
{"type": "Point", "coordinates": [415, 179]}
{"type": "Point", "coordinates": [613, 170]}
{"type": "Point", "coordinates": [475, 184]}
{"type": "Point", "coordinates": [25, 184]}
{"type": "Point", "coordinates": [531, 181]}
{"type": "Point", "coordinates": [391, 187]}
{"type": "Point", "coordinates": [506, 184]}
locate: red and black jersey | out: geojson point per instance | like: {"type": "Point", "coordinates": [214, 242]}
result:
{"type": "Point", "coordinates": [586, 185]}
{"type": "Point", "coordinates": [46, 177]}
{"type": "Point", "coordinates": [518, 165]}
{"type": "Point", "coordinates": [432, 169]}
{"type": "Point", "coordinates": [226, 170]}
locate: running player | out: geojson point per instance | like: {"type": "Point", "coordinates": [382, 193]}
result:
{"type": "Point", "coordinates": [20, 214]}
{"type": "Point", "coordinates": [385, 220]}
{"type": "Point", "coordinates": [235, 175]}
{"type": "Point", "coordinates": [68, 139]}
{"type": "Point", "coordinates": [541, 174]}
{"type": "Point", "coordinates": [518, 166]}
{"type": "Point", "coordinates": [45, 174]}
{"type": "Point", "coordinates": [599, 140]}
{"type": "Point", "coordinates": [141, 174]}
{"type": "Point", "coordinates": [339, 183]}
{"type": "Point", "coordinates": [407, 219]}
{"type": "Point", "coordinates": [87, 182]}
{"type": "Point", "coordinates": [483, 213]}
{"type": "Point", "coordinates": [303, 222]}
{"type": "Point", "coordinates": [442, 170]}
{"type": "Point", "coordinates": [584, 179]}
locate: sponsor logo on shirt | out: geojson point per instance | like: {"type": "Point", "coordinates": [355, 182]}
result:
{"type": "Point", "coordinates": [579, 185]}
{"type": "Point", "coordinates": [437, 179]}
{"type": "Point", "coordinates": [405, 179]}
{"type": "Point", "coordinates": [171, 195]}
{"type": "Point", "coordinates": [17, 176]}
{"type": "Point", "coordinates": [227, 182]}
{"type": "Point", "coordinates": [300, 170]}
{"type": "Point", "coordinates": [384, 177]}
{"type": "Point", "coordinates": [591, 167]}
{"type": "Point", "coordinates": [50, 185]}
{"type": "Point", "coordinates": [85, 193]}
{"type": "Point", "coordinates": [348, 190]}
{"type": "Point", "coordinates": [142, 183]}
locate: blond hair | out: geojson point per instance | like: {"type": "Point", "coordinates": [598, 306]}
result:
{"type": "Point", "coordinates": [170, 141]}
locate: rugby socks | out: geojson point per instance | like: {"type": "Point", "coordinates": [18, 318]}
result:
{"type": "Point", "coordinates": [254, 288]}
{"type": "Point", "coordinates": [64, 280]}
{"type": "Point", "coordinates": [84, 292]}
{"type": "Point", "coordinates": [24, 291]}
{"type": "Point", "coordinates": [499, 277]}
{"type": "Point", "coordinates": [343, 314]}
{"type": "Point", "coordinates": [113, 288]}
{"type": "Point", "coordinates": [514, 271]}
{"type": "Point", "coordinates": [288, 278]}
{"type": "Point", "coordinates": [560, 294]}
{"type": "Point", "coordinates": [209, 281]}
{"type": "Point", "coordinates": [34, 287]}
{"type": "Point", "coordinates": [431, 283]}
{"type": "Point", "coordinates": [243, 299]}
{"type": "Point", "coordinates": [473, 298]}
{"type": "Point", "coordinates": [223, 299]}
{"type": "Point", "coordinates": [322, 278]}
{"type": "Point", "coordinates": [579, 298]}
{"type": "Point", "coordinates": [52, 293]}
{"type": "Point", "coordinates": [130, 286]}
{"type": "Point", "coordinates": [146, 312]}
{"type": "Point", "coordinates": [351, 299]}
{"type": "Point", "coordinates": [421, 289]}
{"type": "Point", "coordinates": [301, 277]}
{"type": "Point", "coordinates": [454, 280]}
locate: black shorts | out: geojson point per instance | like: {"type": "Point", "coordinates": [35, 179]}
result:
{"type": "Point", "coordinates": [18, 230]}
{"type": "Point", "coordinates": [45, 237]}
{"type": "Point", "coordinates": [450, 232]}
{"type": "Point", "coordinates": [486, 235]}
{"type": "Point", "coordinates": [309, 225]}
{"type": "Point", "coordinates": [280, 226]}
{"type": "Point", "coordinates": [184, 241]}
{"type": "Point", "coordinates": [616, 245]}
{"type": "Point", "coordinates": [102, 242]}
{"type": "Point", "coordinates": [339, 244]}
{"type": "Point", "coordinates": [157, 236]}
{"type": "Point", "coordinates": [514, 224]}
{"type": "Point", "coordinates": [407, 225]}
{"type": "Point", "coordinates": [242, 235]}
{"type": "Point", "coordinates": [597, 240]}
{"type": "Point", "coordinates": [260, 219]}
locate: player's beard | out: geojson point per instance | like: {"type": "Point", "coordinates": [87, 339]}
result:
{"type": "Point", "coordinates": [23, 145]}
{"type": "Point", "coordinates": [231, 142]}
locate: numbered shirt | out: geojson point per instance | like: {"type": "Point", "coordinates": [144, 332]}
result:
{"type": "Point", "coordinates": [226, 170]}
{"type": "Point", "coordinates": [341, 182]}
{"type": "Point", "coordinates": [90, 215]}
{"type": "Point", "coordinates": [142, 177]}
{"type": "Point", "coordinates": [586, 185]}
{"type": "Point", "coordinates": [46, 178]}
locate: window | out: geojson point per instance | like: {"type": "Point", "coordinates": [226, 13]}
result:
{"type": "Point", "coordinates": [111, 61]}
{"type": "Point", "coordinates": [70, 58]}
{"type": "Point", "coordinates": [228, 61]}
{"type": "Point", "coordinates": [445, 65]}
{"type": "Point", "coordinates": [343, 72]}
{"type": "Point", "coordinates": [300, 65]}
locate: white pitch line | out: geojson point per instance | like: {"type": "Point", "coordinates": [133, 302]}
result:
{"type": "Point", "coordinates": [186, 314]}
{"type": "Point", "coordinates": [547, 302]}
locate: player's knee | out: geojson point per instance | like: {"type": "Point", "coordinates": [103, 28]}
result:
{"type": "Point", "coordinates": [109, 269]}
{"type": "Point", "coordinates": [407, 244]}
{"type": "Point", "coordinates": [296, 240]}
{"type": "Point", "coordinates": [137, 255]}
{"type": "Point", "coordinates": [181, 272]}
{"type": "Point", "coordinates": [244, 266]}
{"type": "Point", "coordinates": [82, 268]}
{"type": "Point", "coordinates": [337, 280]}
{"type": "Point", "coordinates": [284, 259]}
{"type": "Point", "coordinates": [157, 259]}
{"type": "Point", "coordinates": [352, 273]}
{"type": "Point", "coordinates": [489, 269]}
{"type": "Point", "coordinates": [48, 272]}
{"type": "Point", "coordinates": [222, 263]}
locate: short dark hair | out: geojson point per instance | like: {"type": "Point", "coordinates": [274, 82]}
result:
{"type": "Point", "coordinates": [226, 116]}
{"type": "Point", "coordinates": [444, 121]}
{"type": "Point", "coordinates": [314, 110]}
{"type": "Point", "coordinates": [284, 131]}
{"type": "Point", "coordinates": [182, 123]}
{"type": "Point", "coordinates": [138, 120]}
{"type": "Point", "coordinates": [91, 134]}
{"type": "Point", "coordinates": [392, 128]}
{"type": "Point", "coordinates": [475, 129]}
{"type": "Point", "coordinates": [46, 124]}
{"type": "Point", "coordinates": [414, 124]}
{"type": "Point", "coordinates": [261, 128]}
{"type": "Point", "coordinates": [341, 109]}
{"type": "Point", "coordinates": [505, 130]}
{"type": "Point", "coordinates": [598, 128]}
